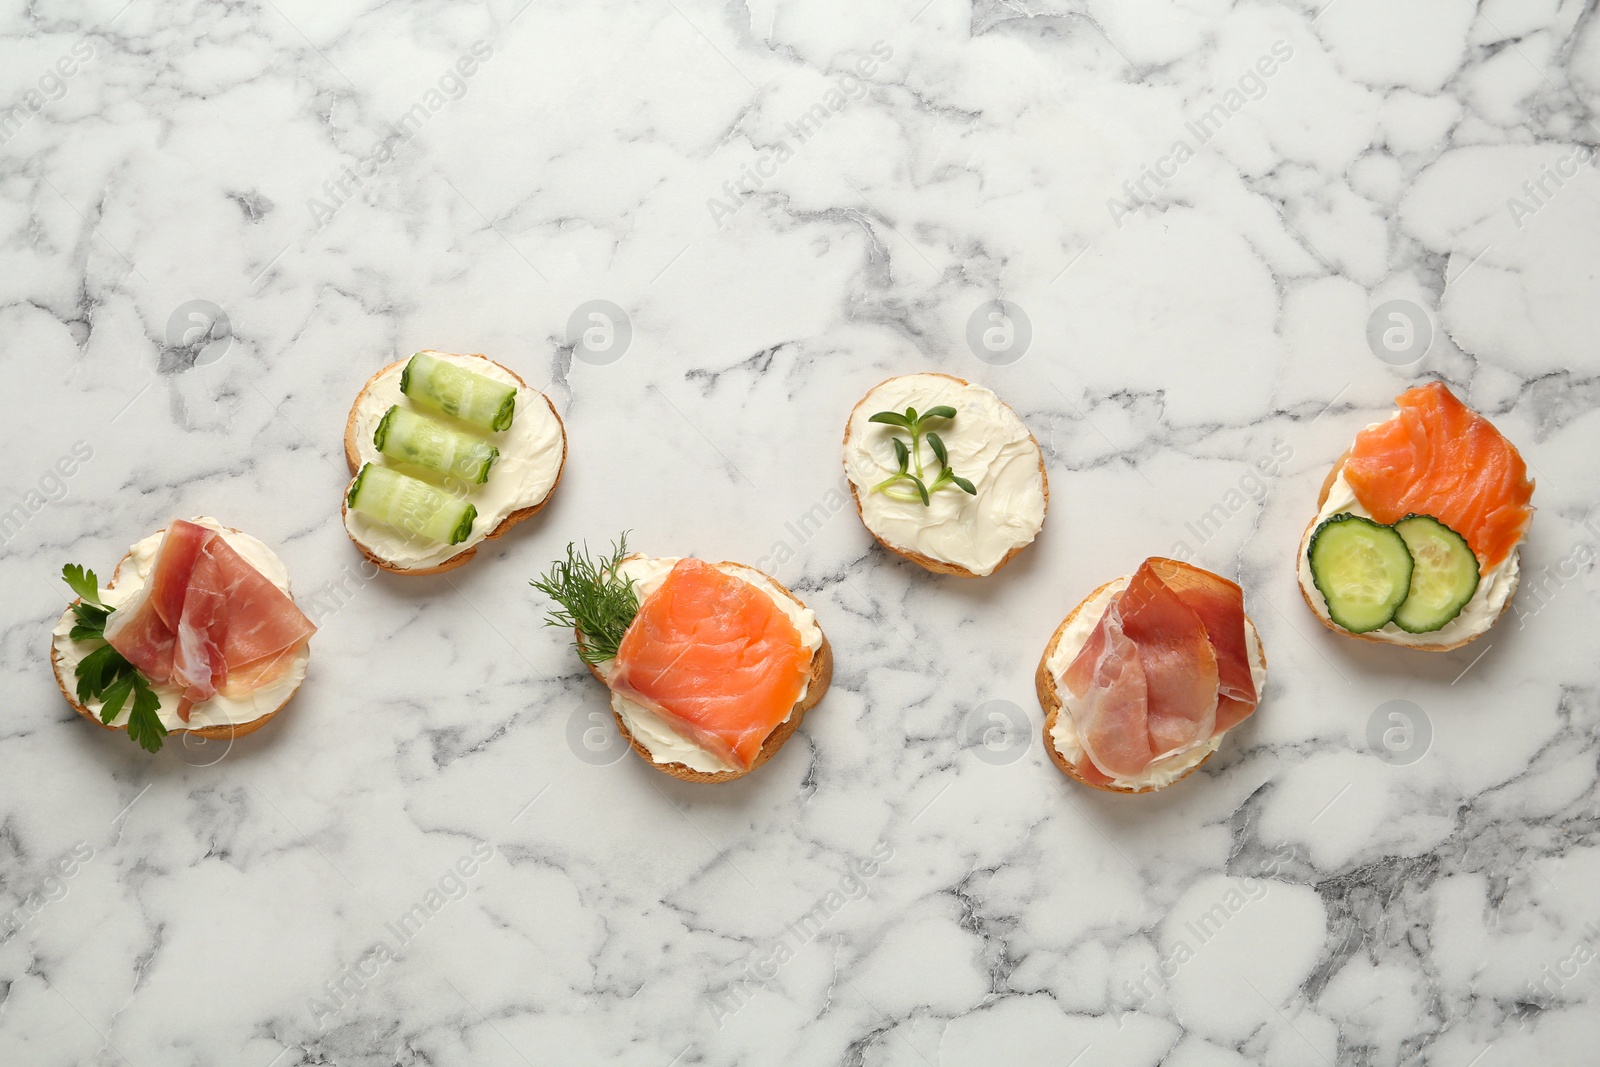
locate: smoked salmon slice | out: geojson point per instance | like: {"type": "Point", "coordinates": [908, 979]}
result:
{"type": "Point", "coordinates": [1438, 457]}
{"type": "Point", "coordinates": [715, 658]}
{"type": "Point", "coordinates": [1166, 668]}
{"type": "Point", "coordinates": [206, 619]}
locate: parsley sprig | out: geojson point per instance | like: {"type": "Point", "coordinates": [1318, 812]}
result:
{"type": "Point", "coordinates": [105, 674]}
{"type": "Point", "coordinates": [594, 599]}
{"type": "Point", "coordinates": [911, 456]}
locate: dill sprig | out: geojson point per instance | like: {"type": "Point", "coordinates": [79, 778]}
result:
{"type": "Point", "coordinates": [594, 599]}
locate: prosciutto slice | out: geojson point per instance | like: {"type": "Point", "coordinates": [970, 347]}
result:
{"type": "Point", "coordinates": [1164, 670]}
{"type": "Point", "coordinates": [206, 620]}
{"type": "Point", "coordinates": [1220, 605]}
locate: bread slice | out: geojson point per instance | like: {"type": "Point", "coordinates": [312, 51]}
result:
{"type": "Point", "coordinates": [352, 457]}
{"type": "Point", "coordinates": [821, 677]}
{"type": "Point", "coordinates": [219, 732]}
{"type": "Point", "coordinates": [1044, 683]}
{"type": "Point", "coordinates": [1312, 595]}
{"type": "Point", "coordinates": [922, 560]}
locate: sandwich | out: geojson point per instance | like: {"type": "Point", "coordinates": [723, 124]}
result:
{"type": "Point", "coordinates": [446, 451]}
{"type": "Point", "coordinates": [196, 632]}
{"type": "Point", "coordinates": [945, 474]}
{"type": "Point", "coordinates": [1143, 679]}
{"type": "Point", "coordinates": [711, 666]}
{"type": "Point", "coordinates": [1419, 529]}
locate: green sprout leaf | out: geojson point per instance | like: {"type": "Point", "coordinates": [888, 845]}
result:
{"type": "Point", "coordinates": [909, 457]}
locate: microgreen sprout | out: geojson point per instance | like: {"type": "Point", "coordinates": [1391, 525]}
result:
{"type": "Point", "coordinates": [917, 489]}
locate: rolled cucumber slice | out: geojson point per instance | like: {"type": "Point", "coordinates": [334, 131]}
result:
{"type": "Point", "coordinates": [469, 396]}
{"type": "Point", "coordinates": [412, 505]}
{"type": "Point", "coordinates": [1445, 576]}
{"type": "Point", "coordinates": [1362, 569]}
{"type": "Point", "coordinates": [428, 443]}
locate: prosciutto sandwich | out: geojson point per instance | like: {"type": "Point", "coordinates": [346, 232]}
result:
{"type": "Point", "coordinates": [196, 632]}
{"type": "Point", "coordinates": [1142, 680]}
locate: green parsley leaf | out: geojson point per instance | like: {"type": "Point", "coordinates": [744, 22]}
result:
{"type": "Point", "coordinates": [145, 727]}
{"type": "Point", "coordinates": [83, 582]}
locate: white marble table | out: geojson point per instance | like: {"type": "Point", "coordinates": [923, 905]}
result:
{"type": "Point", "coordinates": [1193, 213]}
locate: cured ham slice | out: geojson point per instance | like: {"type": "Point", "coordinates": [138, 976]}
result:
{"type": "Point", "coordinates": [206, 619]}
{"type": "Point", "coordinates": [1165, 669]}
{"type": "Point", "coordinates": [714, 657]}
{"type": "Point", "coordinates": [1220, 605]}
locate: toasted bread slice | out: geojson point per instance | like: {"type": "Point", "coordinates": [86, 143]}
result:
{"type": "Point", "coordinates": [817, 685]}
{"type": "Point", "coordinates": [352, 456]}
{"type": "Point", "coordinates": [216, 732]}
{"type": "Point", "coordinates": [921, 559]}
{"type": "Point", "coordinates": [1044, 683]}
{"type": "Point", "coordinates": [1314, 601]}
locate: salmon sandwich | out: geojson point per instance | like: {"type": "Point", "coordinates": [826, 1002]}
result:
{"type": "Point", "coordinates": [1142, 680]}
{"type": "Point", "coordinates": [447, 451]}
{"type": "Point", "coordinates": [711, 666]}
{"type": "Point", "coordinates": [195, 633]}
{"type": "Point", "coordinates": [1418, 534]}
{"type": "Point", "coordinates": [945, 474]}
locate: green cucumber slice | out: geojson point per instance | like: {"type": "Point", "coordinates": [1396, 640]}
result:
{"type": "Point", "coordinates": [471, 397]}
{"type": "Point", "coordinates": [404, 435]}
{"type": "Point", "coordinates": [1362, 569]}
{"type": "Point", "coordinates": [1445, 576]}
{"type": "Point", "coordinates": [412, 505]}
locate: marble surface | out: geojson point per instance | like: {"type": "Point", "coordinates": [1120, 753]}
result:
{"type": "Point", "coordinates": [1199, 216]}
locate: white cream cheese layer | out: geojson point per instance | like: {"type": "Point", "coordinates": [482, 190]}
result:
{"type": "Point", "coordinates": [1064, 735]}
{"type": "Point", "coordinates": [1495, 585]}
{"type": "Point", "coordinates": [530, 461]}
{"type": "Point", "coordinates": [220, 710]}
{"type": "Point", "coordinates": [664, 744]}
{"type": "Point", "coordinates": [988, 445]}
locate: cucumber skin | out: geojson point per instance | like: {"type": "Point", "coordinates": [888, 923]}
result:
{"type": "Point", "coordinates": [499, 422]}
{"type": "Point", "coordinates": [1332, 522]}
{"type": "Point", "coordinates": [1477, 577]}
{"type": "Point", "coordinates": [381, 434]}
{"type": "Point", "coordinates": [458, 533]}
{"type": "Point", "coordinates": [463, 530]}
{"type": "Point", "coordinates": [476, 476]}
{"type": "Point", "coordinates": [355, 486]}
